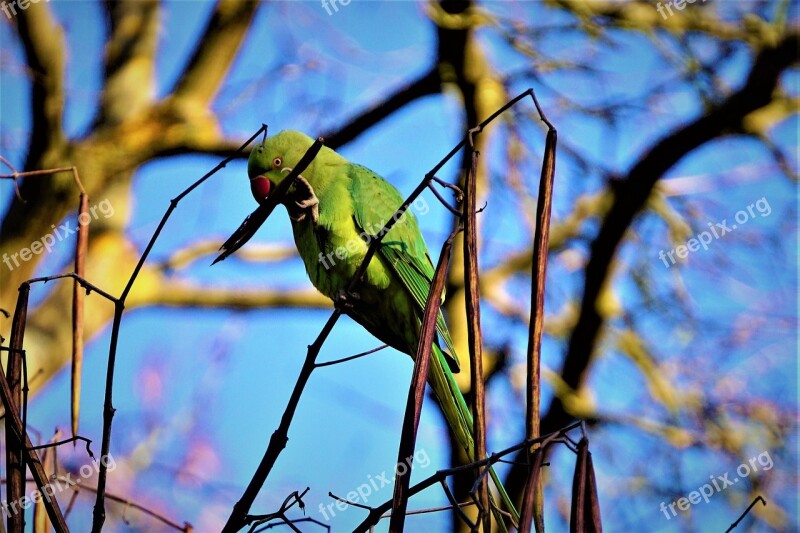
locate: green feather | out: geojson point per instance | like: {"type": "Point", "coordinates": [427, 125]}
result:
{"type": "Point", "coordinates": [403, 247]}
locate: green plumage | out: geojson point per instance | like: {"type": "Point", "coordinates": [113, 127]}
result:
{"type": "Point", "coordinates": [336, 209]}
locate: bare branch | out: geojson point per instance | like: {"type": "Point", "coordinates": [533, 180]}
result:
{"type": "Point", "coordinates": [376, 513]}
{"type": "Point", "coordinates": [255, 253]}
{"type": "Point", "coordinates": [428, 83]}
{"type": "Point", "coordinates": [43, 40]}
{"type": "Point", "coordinates": [215, 51]}
{"type": "Point", "coordinates": [350, 358]}
{"type": "Point", "coordinates": [186, 527]}
{"type": "Point", "coordinates": [631, 194]}
{"type": "Point", "coordinates": [280, 437]}
{"type": "Point", "coordinates": [190, 295]}
{"type": "Point", "coordinates": [99, 515]}
{"type": "Point", "coordinates": [645, 18]}
{"type": "Point", "coordinates": [14, 422]}
{"type": "Point", "coordinates": [752, 504]}
{"type": "Point", "coordinates": [15, 464]}
{"type": "Point", "coordinates": [128, 88]}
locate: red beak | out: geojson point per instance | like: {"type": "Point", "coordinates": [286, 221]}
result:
{"type": "Point", "coordinates": [260, 187]}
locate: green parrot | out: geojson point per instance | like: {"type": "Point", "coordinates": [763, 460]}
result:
{"type": "Point", "coordinates": [336, 207]}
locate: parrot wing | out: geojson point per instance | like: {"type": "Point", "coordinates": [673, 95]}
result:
{"type": "Point", "coordinates": [404, 250]}
{"type": "Point", "coordinates": [403, 247]}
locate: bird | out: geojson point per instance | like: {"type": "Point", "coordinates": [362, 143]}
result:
{"type": "Point", "coordinates": [336, 209]}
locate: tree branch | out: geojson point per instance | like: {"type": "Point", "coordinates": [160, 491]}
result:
{"type": "Point", "coordinates": [43, 41]}
{"type": "Point", "coordinates": [630, 196]}
{"type": "Point", "coordinates": [428, 83]}
{"type": "Point", "coordinates": [216, 50]}
{"type": "Point", "coordinates": [128, 88]}
{"type": "Point", "coordinates": [187, 295]}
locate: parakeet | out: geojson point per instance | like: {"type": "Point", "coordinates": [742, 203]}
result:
{"type": "Point", "coordinates": [336, 208]}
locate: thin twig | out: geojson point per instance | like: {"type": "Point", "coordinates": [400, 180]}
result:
{"type": "Point", "coordinates": [348, 502]}
{"type": "Point", "coordinates": [41, 523]}
{"type": "Point", "coordinates": [85, 284]}
{"type": "Point", "coordinates": [755, 501]}
{"type": "Point", "coordinates": [456, 190]}
{"type": "Point", "coordinates": [35, 173]}
{"type": "Point", "coordinates": [295, 521]}
{"type": "Point", "coordinates": [356, 356]}
{"type": "Point", "coordinates": [455, 505]}
{"type": "Point", "coordinates": [290, 501]}
{"type": "Point", "coordinates": [442, 201]}
{"type": "Point", "coordinates": [280, 437]}
{"type": "Point", "coordinates": [99, 514]}
{"type": "Point", "coordinates": [375, 515]}
{"type": "Point", "coordinates": [15, 464]}
{"type": "Point", "coordinates": [434, 509]}
{"type": "Point", "coordinates": [17, 192]}
{"type": "Point", "coordinates": [77, 487]}
{"type": "Point", "coordinates": [25, 390]}
{"type": "Point", "coordinates": [76, 438]}
{"type": "Point", "coordinates": [14, 423]}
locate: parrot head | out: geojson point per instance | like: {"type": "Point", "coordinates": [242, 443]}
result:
{"type": "Point", "coordinates": [272, 160]}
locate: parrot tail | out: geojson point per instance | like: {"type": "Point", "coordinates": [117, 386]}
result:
{"type": "Point", "coordinates": [459, 418]}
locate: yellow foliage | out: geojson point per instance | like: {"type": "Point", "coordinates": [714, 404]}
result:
{"type": "Point", "coordinates": [660, 389]}
{"type": "Point", "coordinates": [580, 403]}
{"type": "Point", "coordinates": [779, 109]}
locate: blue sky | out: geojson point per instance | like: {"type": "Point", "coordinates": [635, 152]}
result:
{"type": "Point", "coordinates": [203, 390]}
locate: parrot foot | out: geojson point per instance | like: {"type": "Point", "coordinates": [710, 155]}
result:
{"type": "Point", "coordinates": [302, 201]}
{"type": "Point", "coordinates": [344, 300]}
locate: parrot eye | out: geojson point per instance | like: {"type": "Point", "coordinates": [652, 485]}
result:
{"type": "Point", "coordinates": [277, 162]}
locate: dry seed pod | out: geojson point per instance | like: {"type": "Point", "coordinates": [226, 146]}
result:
{"type": "Point", "coordinates": [585, 515]}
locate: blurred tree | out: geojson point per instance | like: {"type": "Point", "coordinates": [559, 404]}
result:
{"type": "Point", "coordinates": [660, 358]}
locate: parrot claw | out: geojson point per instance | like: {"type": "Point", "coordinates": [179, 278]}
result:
{"type": "Point", "coordinates": [302, 201]}
{"type": "Point", "coordinates": [344, 300]}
